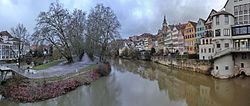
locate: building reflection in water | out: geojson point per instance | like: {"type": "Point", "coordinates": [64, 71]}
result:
{"type": "Point", "coordinates": [194, 88]}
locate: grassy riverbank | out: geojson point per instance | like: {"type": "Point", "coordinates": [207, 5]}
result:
{"type": "Point", "coordinates": [33, 90]}
{"type": "Point", "coordinates": [47, 65]}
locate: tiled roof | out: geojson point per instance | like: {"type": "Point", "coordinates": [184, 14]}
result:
{"type": "Point", "coordinates": [222, 13]}
{"type": "Point", "coordinates": [202, 19]}
{"type": "Point", "coordinates": [226, 3]}
{"type": "Point", "coordinates": [211, 14]}
{"type": "Point", "coordinates": [181, 26]}
{"type": "Point", "coordinates": [193, 23]}
{"type": "Point", "coordinates": [14, 39]}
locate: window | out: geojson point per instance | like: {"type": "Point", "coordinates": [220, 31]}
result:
{"type": "Point", "coordinates": [226, 32]}
{"type": "Point", "coordinates": [236, 10]}
{"type": "Point", "coordinates": [241, 20]}
{"type": "Point", "coordinates": [226, 19]}
{"type": "Point", "coordinates": [226, 45]}
{"type": "Point", "coordinates": [216, 67]}
{"type": "Point", "coordinates": [249, 7]}
{"type": "Point", "coordinates": [245, 19]}
{"type": "Point", "coordinates": [217, 32]}
{"type": "Point", "coordinates": [217, 20]}
{"type": "Point", "coordinates": [243, 30]}
{"type": "Point", "coordinates": [245, 8]}
{"type": "Point", "coordinates": [237, 31]}
{"type": "Point", "coordinates": [236, 21]}
{"type": "Point", "coordinates": [248, 29]}
{"type": "Point", "coordinates": [241, 9]}
{"type": "Point", "coordinates": [226, 68]}
{"type": "Point", "coordinates": [244, 56]}
{"type": "Point", "coordinates": [248, 18]}
{"type": "Point", "coordinates": [218, 45]}
{"type": "Point", "coordinates": [242, 65]}
{"type": "Point", "coordinates": [209, 50]}
{"type": "Point", "coordinates": [205, 50]}
{"type": "Point", "coordinates": [201, 50]}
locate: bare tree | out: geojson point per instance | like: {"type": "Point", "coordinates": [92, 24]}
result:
{"type": "Point", "coordinates": [20, 32]}
{"type": "Point", "coordinates": [102, 28]}
{"type": "Point", "coordinates": [53, 27]}
{"type": "Point", "coordinates": [77, 30]}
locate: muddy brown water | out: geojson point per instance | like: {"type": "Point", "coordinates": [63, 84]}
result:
{"type": "Point", "coordinates": [138, 83]}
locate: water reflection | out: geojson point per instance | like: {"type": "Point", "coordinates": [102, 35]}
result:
{"type": "Point", "coordinates": [138, 83]}
{"type": "Point", "coordinates": [195, 89]}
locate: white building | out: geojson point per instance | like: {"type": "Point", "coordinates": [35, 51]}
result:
{"type": "Point", "coordinates": [9, 47]}
{"type": "Point", "coordinates": [232, 39]}
{"type": "Point", "coordinates": [178, 39]}
{"type": "Point", "coordinates": [206, 48]}
{"type": "Point", "coordinates": [168, 41]}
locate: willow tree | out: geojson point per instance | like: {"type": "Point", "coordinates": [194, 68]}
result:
{"type": "Point", "coordinates": [102, 27]}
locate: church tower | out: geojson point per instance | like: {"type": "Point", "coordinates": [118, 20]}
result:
{"type": "Point", "coordinates": [164, 24]}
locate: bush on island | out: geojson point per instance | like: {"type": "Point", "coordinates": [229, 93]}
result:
{"type": "Point", "coordinates": [104, 69]}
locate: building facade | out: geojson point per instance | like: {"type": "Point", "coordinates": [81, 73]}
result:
{"type": "Point", "coordinates": [162, 35]}
{"type": "Point", "coordinates": [232, 50]}
{"type": "Point", "coordinates": [200, 30]}
{"type": "Point", "coordinates": [9, 47]}
{"type": "Point", "coordinates": [178, 38]}
{"type": "Point", "coordinates": [206, 47]}
{"type": "Point", "coordinates": [189, 37]}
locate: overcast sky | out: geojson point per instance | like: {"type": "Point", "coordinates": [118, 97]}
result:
{"type": "Point", "coordinates": [135, 16]}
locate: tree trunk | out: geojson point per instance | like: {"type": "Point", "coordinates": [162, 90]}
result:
{"type": "Point", "coordinates": [81, 55]}
{"type": "Point", "coordinates": [70, 59]}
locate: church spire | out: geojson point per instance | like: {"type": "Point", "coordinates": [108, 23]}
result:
{"type": "Point", "coordinates": [165, 24]}
{"type": "Point", "coordinates": [164, 21]}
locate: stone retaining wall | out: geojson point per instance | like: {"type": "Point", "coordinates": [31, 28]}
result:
{"type": "Point", "coordinates": [186, 64]}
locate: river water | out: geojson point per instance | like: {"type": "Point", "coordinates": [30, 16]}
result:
{"type": "Point", "coordinates": [138, 83]}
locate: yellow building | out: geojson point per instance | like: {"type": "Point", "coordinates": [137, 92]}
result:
{"type": "Point", "coordinates": [190, 38]}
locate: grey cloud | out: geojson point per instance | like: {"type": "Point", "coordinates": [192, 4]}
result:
{"type": "Point", "coordinates": [136, 16]}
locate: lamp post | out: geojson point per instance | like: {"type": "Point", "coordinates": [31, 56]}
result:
{"type": "Point", "coordinates": [19, 53]}
{"type": "Point", "coordinates": [172, 49]}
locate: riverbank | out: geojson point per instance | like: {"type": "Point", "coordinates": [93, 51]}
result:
{"type": "Point", "coordinates": [203, 67]}
{"type": "Point", "coordinates": [33, 90]}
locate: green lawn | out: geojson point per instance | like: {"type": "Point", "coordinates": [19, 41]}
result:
{"type": "Point", "coordinates": [47, 65]}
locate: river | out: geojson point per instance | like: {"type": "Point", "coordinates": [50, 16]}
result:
{"type": "Point", "coordinates": [138, 83]}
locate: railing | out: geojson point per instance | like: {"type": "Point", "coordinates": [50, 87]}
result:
{"type": "Point", "coordinates": [222, 52]}
{"type": "Point", "coordinates": [229, 50]}
{"type": "Point", "coordinates": [245, 49]}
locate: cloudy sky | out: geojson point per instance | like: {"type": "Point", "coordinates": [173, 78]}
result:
{"type": "Point", "coordinates": [135, 16]}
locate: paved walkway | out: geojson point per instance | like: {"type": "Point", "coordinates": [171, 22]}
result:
{"type": "Point", "coordinates": [58, 70]}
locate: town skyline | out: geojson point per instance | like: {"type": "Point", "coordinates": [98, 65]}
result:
{"type": "Point", "coordinates": [144, 16]}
